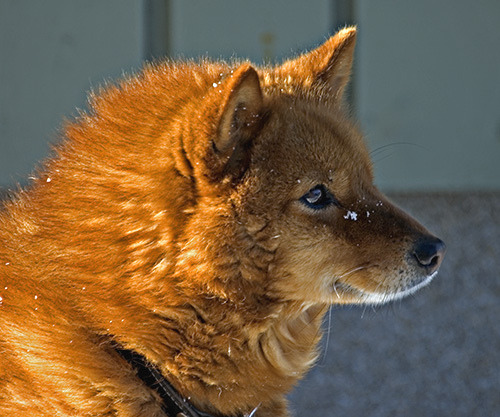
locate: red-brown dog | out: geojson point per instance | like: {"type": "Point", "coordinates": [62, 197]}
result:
{"type": "Point", "coordinates": [200, 219]}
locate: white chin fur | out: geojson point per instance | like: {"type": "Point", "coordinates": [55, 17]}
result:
{"type": "Point", "coordinates": [382, 298]}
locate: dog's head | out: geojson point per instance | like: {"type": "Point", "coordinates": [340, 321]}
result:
{"type": "Point", "coordinates": [296, 176]}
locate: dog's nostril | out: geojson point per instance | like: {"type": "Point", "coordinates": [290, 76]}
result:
{"type": "Point", "coordinates": [429, 253]}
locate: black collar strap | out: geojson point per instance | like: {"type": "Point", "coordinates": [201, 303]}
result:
{"type": "Point", "coordinates": [174, 404]}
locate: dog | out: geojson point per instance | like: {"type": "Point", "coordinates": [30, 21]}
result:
{"type": "Point", "coordinates": [186, 237]}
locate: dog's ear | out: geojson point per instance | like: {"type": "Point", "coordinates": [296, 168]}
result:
{"type": "Point", "coordinates": [240, 120]}
{"type": "Point", "coordinates": [328, 66]}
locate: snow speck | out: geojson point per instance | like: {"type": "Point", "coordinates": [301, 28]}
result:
{"type": "Point", "coordinates": [351, 215]}
{"type": "Point", "coordinates": [214, 85]}
{"type": "Point", "coordinates": [367, 214]}
{"type": "Point", "coordinates": [1, 299]}
{"type": "Point", "coordinates": [49, 179]}
{"type": "Point", "coordinates": [36, 297]}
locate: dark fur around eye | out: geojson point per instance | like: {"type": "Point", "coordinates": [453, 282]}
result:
{"type": "Point", "coordinates": [318, 197]}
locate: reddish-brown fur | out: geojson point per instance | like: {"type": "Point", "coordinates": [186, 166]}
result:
{"type": "Point", "coordinates": [170, 222]}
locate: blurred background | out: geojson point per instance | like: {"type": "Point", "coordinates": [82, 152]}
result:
{"type": "Point", "coordinates": [426, 91]}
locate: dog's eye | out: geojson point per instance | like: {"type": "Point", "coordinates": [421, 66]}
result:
{"type": "Point", "coordinates": [318, 198]}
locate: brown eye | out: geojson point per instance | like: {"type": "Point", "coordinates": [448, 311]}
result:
{"type": "Point", "coordinates": [318, 198]}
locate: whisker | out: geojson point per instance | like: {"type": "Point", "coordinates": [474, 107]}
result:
{"type": "Point", "coordinates": [345, 274]}
{"type": "Point", "coordinates": [327, 342]}
{"type": "Point", "coordinates": [252, 413]}
{"type": "Point", "coordinates": [385, 148]}
{"type": "Point", "coordinates": [335, 289]}
{"type": "Point", "coordinates": [364, 311]}
{"type": "Point", "coordinates": [389, 145]}
{"type": "Point", "coordinates": [377, 160]}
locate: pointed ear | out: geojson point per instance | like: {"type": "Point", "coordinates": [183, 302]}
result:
{"type": "Point", "coordinates": [337, 71]}
{"type": "Point", "coordinates": [241, 119]}
{"type": "Point", "coordinates": [329, 65]}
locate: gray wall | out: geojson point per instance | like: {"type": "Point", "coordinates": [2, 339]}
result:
{"type": "Point", "coordinates": [260, 30]}
{"type": "Point", "coordinates": [51, 53]}
{"type": "Point", "coordinates": [426, 80]}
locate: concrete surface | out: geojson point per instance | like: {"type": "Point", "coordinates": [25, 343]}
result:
{"type": "Point", "coordinates": [434, 354]}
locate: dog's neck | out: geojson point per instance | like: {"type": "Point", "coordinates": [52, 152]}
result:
{"type": "Point", "coordinates": [259, 362]}
{"type": "Point", "coordinates": [172, 402]}
{"type": "Point", "coordinates": [257, 359]}
{"type": "Point", "coordinates": [286, 349]}
{"type": "Point", "coordinates": [289, 345]}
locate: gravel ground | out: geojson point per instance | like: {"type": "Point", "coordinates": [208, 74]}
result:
{"type": "Point", "coordinates": [434, 354]}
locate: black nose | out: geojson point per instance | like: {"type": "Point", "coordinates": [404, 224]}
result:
{"type": "Point", "coordinates": [429, 252]}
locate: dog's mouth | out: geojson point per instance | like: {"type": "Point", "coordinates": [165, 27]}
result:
{"type": "Point", "coordinates": [344, 292]}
